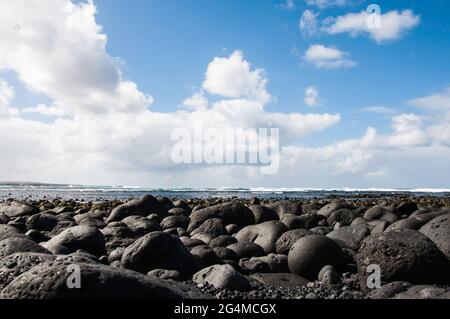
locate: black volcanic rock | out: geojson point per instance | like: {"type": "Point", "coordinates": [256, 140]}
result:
{"type": "Point", "coordinates": [87, 238]}
{"type": "Point", "coordinates": [289, 238]}
{"type": "Point", "coordinates": [264, 234]}
{"type": "Point", "coordinates": [42, 221]}
{"type": "Point", "coordinates": [403, 255]}
{"type": "Point", "coordinates": [49, 281]}
{"type": "Point", "coordinates": [145, 206]}
{"type": "Point", "coordinates": [230, 213]}
{"type": "Point", "coordinates": [159, 250]}
{"type": "Point", "coordinates": [438, 230]}
{"type": "Point", "coordinates": [222, 277]}
{"type": "Point", "coordinates": [14, 245]}
{"type": "Point", "coordinates": [14, 209]}
{"type": "Point", "coordinates": [311, 253]}
{"type": "Point", "coordinates": [263, 214]}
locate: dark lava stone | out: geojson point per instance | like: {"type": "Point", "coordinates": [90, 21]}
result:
{"type": "Point", "coordinates": [49, 281]}
{"type": "Point", "coordinates": [438, 230]}
{"type": "Point", "coordinates": [142, 207]}
{"type": "Point", "coordinates": [403, 255]}
{"type": "Point", "coordinates": [87, 238]}
{"type": "Point", "coordinates": [230, 213]}
{"type": "Point", "coordinates": [247, 249]}
{"type": "Point", "coordinates": [20, 245]}
{"type": "Point", "coordinates": [205, 256]}
{"type": "Point", "coordinates": [264, 234]}
{"type": "Point", "coordinates": [175, 221]}
{"type": "Point", "coordinates": [159, 250]}
{"type": "Point", "coordinates": [311, 253]}
{"type": "Point", "coordinates": [42, 221]}
{"type": "Point", "coordinates": [263, 214]}
{"type": "Point", "coordinates": [213, 226]}
{"type": "Point", "coordinates": [288, 239]}
{"type": "Point", "coordinates": [223, 241]}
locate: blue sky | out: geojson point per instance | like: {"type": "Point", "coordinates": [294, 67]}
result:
{"type": "Point", "coordinates": [99, 86]}
{"type": "Point", "coordinates": [167, 45]}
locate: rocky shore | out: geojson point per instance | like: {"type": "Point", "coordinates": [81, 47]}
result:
{"type": "Point", "coordinates": [226, 248]}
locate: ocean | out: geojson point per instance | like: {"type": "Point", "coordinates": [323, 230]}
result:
{"type": "Point", "coordinates": [100, 193]}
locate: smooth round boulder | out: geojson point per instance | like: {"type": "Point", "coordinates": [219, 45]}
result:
{"type": "Point", "coordinates": [191, 242]}
{"type": "Point", "coordinates": [328, 209]}
{"type": "Point", "coordinates": [264, 234]}
{"type": "Point", "coordinates": [97, 214]}
{"type": "Point", "coordinates": [223, 241]}
{"type": "Point", "coordinates": [225, 253]}
{"type": "Point", "coordinates": [175, 221]}
{"type": "Point", "coordinates": [230, 213]}
{"type": "Point", "coordinates": [141, 225]}
{"type": "Point", "coordinates": [403, 255]}
{"type": "Point", "coordinates": [14, 245]}
{"type": "Point", "coordinates": [232, 229]}
{"type": "Point", "coordinates": [205, 256]}
{"type": "Point", "coordinates": [159, 250]}
{"type": "Point", "coordinates": [342, 216]}
{"type": "Point", "coordinates": [42, 221]}
{"type": "Point", "coordinates": [350, 236]}
{"type": "Point", "coordinates": [407, 223]}
{"type": "Point", "coordinates": [263, 214]}
{"type": "Point", "coordinates": [7, 231]}
{"type": "Point", "coordinates": [213, 226]}
{"type": "Point", "coordinates": [16, 264]}
{"type": "Point", "coordinates": [205, 237]}
{"type": "Point", "coordinates": [62, 226]}
{"type": "Point", "coordinates": [49, 281]}
{"type": "Point", "coordinates": [329, 276]}
{"type": "Point", "coordinates": [92, 222]}
{"type": "Point", "coordinates": [438, 230]}
{"type": "Point", "coordinates": [118, 236]}
{"type": "Point", "coordinates": [376, 212]}
{"type": "Point", "coordinates": [406, 208]}
{"type": "Point", "coordinates": [221, 277]}
{"type": "Point", "coordinates": [247, 249]}
{"type": "Point", "coordinates": [311, 253]}
{"type": "Point", "coordinates": [87, 238]}
{"type": "Point", "coordinates": [15, 209]}
{"type": "Point", "coordinates": [37, 236]}
{"type": "Point", "coordinates": [144, 206]}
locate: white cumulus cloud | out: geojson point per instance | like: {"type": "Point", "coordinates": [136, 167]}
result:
{"type": "Point", "coordinates": [392, 25]}
{"type": "Point", "coordinates": [233, 77]}
{"type": "Point", "coordinates": [323, 57]}
{"type": "Point", "coordinates": [99, 128]}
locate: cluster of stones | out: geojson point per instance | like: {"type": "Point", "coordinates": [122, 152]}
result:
{"type": "Point", "coordinates": [159, 248]}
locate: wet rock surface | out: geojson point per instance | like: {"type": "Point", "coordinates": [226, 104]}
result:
{"type": "Point", "coordinates": [226, 248]}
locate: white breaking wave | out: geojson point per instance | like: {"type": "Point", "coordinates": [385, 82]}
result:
{"type": "Point", "coordinates": [276, 190]}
